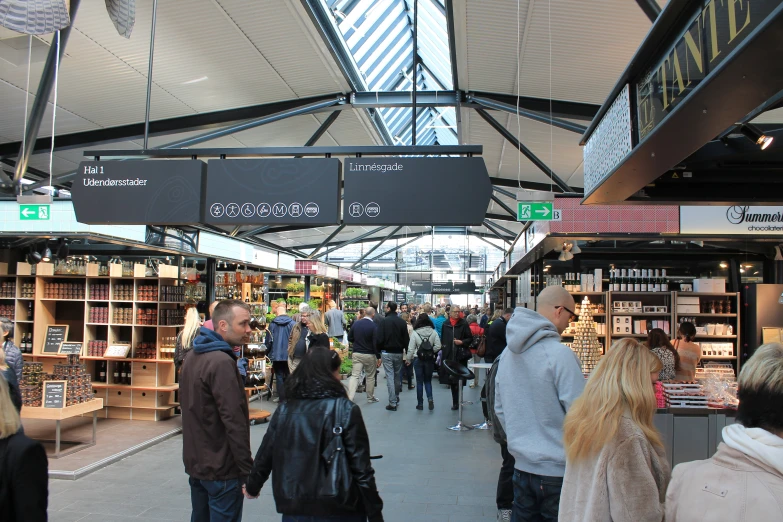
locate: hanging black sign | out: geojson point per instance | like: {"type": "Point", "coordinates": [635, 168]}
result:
{"type": "Point", "coordinates": [421, 287]}
{"type": "Point", "coordinates": [468, 287]}
{"type": "Point", "coordinates": [415, 191]}
{"type": "Point", "coordinates": [714, 32]}
{"type": "Point", "coordinates": [298, 191]}
{"type": "Point", "coordinates": [442, 287]}
{"type": "Point", "coordinates": [138, 192]}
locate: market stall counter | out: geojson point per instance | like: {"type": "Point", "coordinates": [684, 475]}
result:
{"type": "Point", "coordinates": [692, 433]}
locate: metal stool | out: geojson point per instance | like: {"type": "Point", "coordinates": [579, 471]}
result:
{"type": "Point", "coordinates": [462, 372]}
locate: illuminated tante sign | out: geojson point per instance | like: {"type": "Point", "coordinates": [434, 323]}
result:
{"type": "Point", "coordinates": [718, 28]}
{"type": "Point", "coordinates": [738, 219]}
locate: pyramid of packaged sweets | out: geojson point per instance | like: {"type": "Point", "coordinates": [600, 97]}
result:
{"type": "Point", "coordinates": [586, 344]}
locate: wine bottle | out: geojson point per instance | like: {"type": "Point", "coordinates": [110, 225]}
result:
{"type": "Point", "coordinates": [128, 374]}
{"type": "Point", "coordinates": [656, 282]}
{"type": "Point", "coordinates": [616, 285]}
{"type": "Point", "coordinates": [664, 281]}
{"type": "Point", "coordinates": [611, 279]}
{"type": "Point", "coordinates": [102, 371]}
{"type": "Point", "coordinates": [644, 280]}
{"type": "Point", "coordinates": [116, 374]}
{"type": "Point", "coordinates": [637, 285]}
{"type": "Point", "coordinates": [623, 282]}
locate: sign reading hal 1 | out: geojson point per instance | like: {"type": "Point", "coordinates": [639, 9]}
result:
{"type": "Point", "coordinates": [535, 211]}
{"type": "Point", "coordinates": [34, 212]}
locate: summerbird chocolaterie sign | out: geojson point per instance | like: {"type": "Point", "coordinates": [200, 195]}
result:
{"type": "Point", "coordinates": [715, 31]}
{"type": "Point", "coordinates": [737, 219]}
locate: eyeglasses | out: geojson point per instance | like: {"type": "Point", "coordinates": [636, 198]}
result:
{"type": "Point", "coordinates": [567, 310]}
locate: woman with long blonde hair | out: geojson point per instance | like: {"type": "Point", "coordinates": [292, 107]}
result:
{"type": "Point", "coordinates": [187, 336]}
{"type": "Point", "coordinates": [616, 466]}
{"type": "Point", "coordinates": [318, 333]}
{"type": "Point", "coordinates": [24, 467]}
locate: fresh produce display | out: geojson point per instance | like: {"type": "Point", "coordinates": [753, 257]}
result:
{"type": "Point", "coordinates": [356, 292]}
{"type": "Point", "coordinates": [350, 317]}
{"type": "Point", "coordinates": [314, 304]}
{"type": "Point", "coordinates": [294, 301]}
{"type": "Point", "coordinates": [354, 305]}
{"type": "Point", "coordinates": [316, 289]}
{"type": "Point", "coordinates": [295, 288]}
{"type": "Point", "coordinates": [347, 366]}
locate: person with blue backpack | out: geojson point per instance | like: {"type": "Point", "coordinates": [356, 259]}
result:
{"type": "Point", "coordinates": [424, 344]}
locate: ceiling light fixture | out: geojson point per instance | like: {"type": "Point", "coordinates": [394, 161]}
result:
{"type": "Point", "coordinates": [724, 264]}
{"type": "Point", "coordinates": [46, 255]}
{"type": "Point", "coordinates": [755, 135]}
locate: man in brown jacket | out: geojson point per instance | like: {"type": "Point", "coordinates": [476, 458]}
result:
{"type": "Point", "coordinates": [215, 426]}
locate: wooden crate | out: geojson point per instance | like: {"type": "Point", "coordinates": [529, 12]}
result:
{"type": "Point", "coordinates": [170, 271]}
{"type": "Point", "coordinates": [93, 269]}
{"type": "Point", "coordinates": [115, 270]}
{"type": "Point", "coordinates": [24, 269]}
{"type": "Point", "coordinates": [44, 269]}
{"type": "Point", "coordinates": [139, 270]}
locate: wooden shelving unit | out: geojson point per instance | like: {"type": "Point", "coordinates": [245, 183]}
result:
{"type": "Point", "coordinates": [702, 319]}
{"type": "Point", "coordinates": [151, 393]}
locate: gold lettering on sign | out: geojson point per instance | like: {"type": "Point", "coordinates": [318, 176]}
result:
{"type": "Point", "coordinates": [677, 73]}
{"type": "Point", "coordinates": [710, 9]}
{"type": "Point", "coordinates": [733, 31]}
{"type": "Point", "coordinates": [664, 83]}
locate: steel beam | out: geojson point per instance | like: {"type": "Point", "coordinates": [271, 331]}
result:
{"type": "Point", "coordinates": [530, 185]}
{"type": "Point", "coordinates": [524, 150]}
{"type": "Point", "coordinates": [415, 74]}
{"type": "Point", "coordinates": [503, 205]}
{"type": "Point", "coordinates": [397, 236]}
{"type": "Point", "coordinates": [195, 122]}
{"type": "Point", "coordinates": [349, 242]}
{"type": "Point", "coordinates": [504, 229]}
{"type": "Point", "coordinates": [530, 115]}
{"type": "Point", "coordinates": [240, 152]}
{"type": "Point", "coordinates": [326, 241]}
{"type": "Point", "coordinates": [149, 74]}
{"type": "Point", "coordinates": [650, 8]}
{"type": "Point", "coordinates": [504, 192]}
{"type": "Point", "coordinates": [494, 231]}
{"type": "Point", "coordinates": [452, 43]}
{"type": "Point", "coordinates": [396, 248]}
{"type": "Point", "coordinates": [559, 108]}
{"type": "Point", "coordinates": [254, 231]}
{"type": "Point", "coordinates": [500, 217]}
{"type": "Point", "coordinates": [378, 100]}
{"type": "Point", "coordinates": [322, 20]}
{"type": "Point", "coordinates": [373, 249]}
{"type": "Point", "coordinates": [45, 85]}
{"type": "Point", "coordinates": [322, 129]}
{"type": "Point", "coordinates": [490, 243]}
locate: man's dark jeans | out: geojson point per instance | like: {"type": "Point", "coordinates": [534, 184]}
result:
{"type": "Point", "coordinates": [281, 373]}
{"type": "Point", "coordinates": [335, 518]}
{"type": "Point", "coordinates": [536, 497]}
{"type": "Point", "coordinates": [505, 495]}
{"type": "Point", "coordinates": [216, 500]}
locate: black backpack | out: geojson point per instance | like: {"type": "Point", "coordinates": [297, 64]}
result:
{"type": "Point", "coordinates": [426, 352]}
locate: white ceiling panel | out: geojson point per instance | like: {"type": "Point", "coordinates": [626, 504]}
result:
{"type": "Point", "coordinates": [351, 128]}
{"type": "Point", "coordinates": [591, 43]}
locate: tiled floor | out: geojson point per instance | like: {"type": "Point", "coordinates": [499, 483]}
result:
{"type": "Point", "coordinates": [427, 474]}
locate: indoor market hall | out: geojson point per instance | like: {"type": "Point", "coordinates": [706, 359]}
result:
{"type": "Point", "coordinates": [391, 260]}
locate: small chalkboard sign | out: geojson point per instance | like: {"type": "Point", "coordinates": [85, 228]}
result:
{"type": "Point", "coordinates": [54, 394]}
{"type": "Point", "coordinates": [56, 334]}
{"type": "Point", "coordinates": [71, 348]}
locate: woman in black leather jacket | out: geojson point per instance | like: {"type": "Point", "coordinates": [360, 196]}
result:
{"type": "Point", "coordinates": [297, 442]}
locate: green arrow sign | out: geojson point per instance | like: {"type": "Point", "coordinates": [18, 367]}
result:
{"type": "Point", "coordinates": [534, 211]}
{"type": "Point", "coordinates": [34, 212]}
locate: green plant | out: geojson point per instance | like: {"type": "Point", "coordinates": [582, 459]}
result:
{"type": "Point", "coordinates": [314, 304]}
{"type": "Point", "coordinates": [295, 288]}
{"type": "Point", "coordinates": [270, 318]}
{"type": "Point", "coordinates": [338, 345]}
{"type": "Point", "coordinates": [279, 300]}
{"type": "Point", "coordinates": [295, 301]}
{"type": "Point", "coordinates": [350, 317]}
{"type": "Point", "coordinates": [317, 288]}
{"type": "Point", "coordinates": [347, 366]}
{"type": "Point", "coordinates": [356, 292]}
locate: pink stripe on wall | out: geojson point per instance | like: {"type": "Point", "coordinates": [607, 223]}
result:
{"type": "Point", "coordinates": [627, 219]}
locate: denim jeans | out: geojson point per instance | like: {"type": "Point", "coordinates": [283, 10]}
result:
{"type": "Point", "coordinates": [216, 500]}
{"type": "Point", "coordinates": [505, 494]}
{"type": "Point", "coordinates": [406, 373]}
{"type": "Point", "coordinates": [334, 518]}
{"type": "Point", "coordinates": [423, 371]}
{"type": "Point", "coordinates": [392, 363]}
{"type": "Point", "coordinates": [281, 373]}
{"type": "Point", "coordinates": [536, 497]}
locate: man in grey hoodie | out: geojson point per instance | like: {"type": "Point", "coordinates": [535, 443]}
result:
{"type": "Point", "coordinates": [538, 379]}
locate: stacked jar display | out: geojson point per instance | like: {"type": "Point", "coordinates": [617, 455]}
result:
{"type": "Point", "coordinates": [79, 388]}
{"type": "Point", "coordinates": [7, 310]}
{"type": "Point", "coordinates": [147, 293]}
{"type": "Point", "coordinates": [64, 291]}
{"type": "Point", "coordinates": [99, 292]}
{"type": "Point", "coordinates": [97, 348]}
{"type": "Point", "coordinates": [123, 292]}
{"type": "Point", "coordinates": [146, 316]}
{"type": "Point", "coordinates": [172, 294]}
{"type": "Point", "coordinates": [8, 290]}
{"type": "Point", "coordinates": [31, 387]}
{"type": "Point", "coordinates": [172, 317]}
{"type": "Point", "coordinates": [123, 315]}
{"type": "Point", "coordinates": [145, 350]}
{"type": "Point", "coordinates": [28, 290]}
{"type": "Point", "coordinates": [99, 314]}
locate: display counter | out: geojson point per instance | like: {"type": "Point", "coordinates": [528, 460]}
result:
{"type": "Point", "coordinates": [60, 414]}
{"type": "Point", "coordinates": [692, 433]}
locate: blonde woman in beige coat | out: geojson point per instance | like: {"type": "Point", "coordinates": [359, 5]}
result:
{"type": "Point", "coordinates": [616, 467]}
{"type": "Point", "coordinates": [743, 481]}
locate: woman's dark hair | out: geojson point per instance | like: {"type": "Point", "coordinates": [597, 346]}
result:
{"type": "Point", "coordinates": [423, 320]}
{"type": "Point", "coordinates": [314, 377]}
{"type": "Point", "coordinates": [688, 331]}
{"type": "Point", "coordinates": [657, 338]}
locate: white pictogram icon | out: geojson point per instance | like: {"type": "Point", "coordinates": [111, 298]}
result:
{"type": "Point", "coordinates": [295, 209]}
{"type": "Point", "coordinates": [263, 210]}
{"type": "Point", "coordinates": [248, 210]}
{"type": "Point", "coordinates": [279, 210]}
{"type": "Point", "coordinates": [216, 210]}
{"type": "Point", "coordinates": [311, 210]}
{"type": "Point", "coordinates": [356, 210]}
{"type": "Point", "coordinates": [372, 210]}
{"type": "Point", "coordinates": [232, 210]}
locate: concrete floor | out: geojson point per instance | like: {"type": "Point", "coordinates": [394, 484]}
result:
{"type": "Point", "coordinates": [427, 474]}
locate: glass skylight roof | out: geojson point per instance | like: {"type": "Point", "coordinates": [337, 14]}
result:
{"type": "Point", "coordinates": [379, 35]}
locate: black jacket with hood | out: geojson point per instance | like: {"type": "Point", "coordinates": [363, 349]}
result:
{"type": "Point", "coordinates": [215, 425]}
{"type": "Point", "coordinates": [460, 331]}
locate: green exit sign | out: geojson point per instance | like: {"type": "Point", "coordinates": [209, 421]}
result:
{"type": "Point", "coordinates": [34, 212]}
{"type": "Point", "coordinates": [534, 211]}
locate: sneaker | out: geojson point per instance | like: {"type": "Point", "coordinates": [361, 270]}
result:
{"type": "Point", "coordinates": [411, 386]}
{"type": "Point", "coordinates": [391, 408]}
{"type": "Point", "coordinates": [504, 515]}
{"type": "Point", "coordinates": [432, 405]}
{"type": "Point", "coordinates": [454, 407]}
{"type": "Point", "coordinates": [276, 399]}
{"type": "Point", "coordinates": [420, 407]}
{"type": "Point", "coordinates": [373, 399]}
{"type": "Point", "coordinates": [473, 385]}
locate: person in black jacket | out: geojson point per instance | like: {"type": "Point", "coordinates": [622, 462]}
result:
{"type": "Point", "coordinates": [365, 357]}
{"type": "Point", "coordinates": [496, 336]}
{"type": "Point", "coordinates": [301, 432]}
{"type": "Point", "coordinates": [391, 340]}
{"type": "Point", "coordinates": [24, 474]}
{"type": "Point", "coordinates": [456, 334]}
